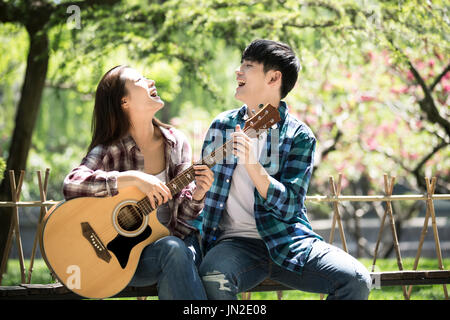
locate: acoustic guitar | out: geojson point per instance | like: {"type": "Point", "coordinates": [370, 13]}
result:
{"type": "Point", "coordinates": [93, 245]}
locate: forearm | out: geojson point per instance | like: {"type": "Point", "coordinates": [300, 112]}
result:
{"type": "Point", "coordinates": [260, 178]}
{"type": "Point", "coordinates": [198, 195]}
{"type": "Point", "coordinates": [85, 182]}
{"type": "Point", "coordinates": [129, 178]}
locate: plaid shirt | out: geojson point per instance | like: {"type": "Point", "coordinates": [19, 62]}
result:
{"type": "Point", "coordinates": [96, 176]}
{"type": "Point", "coordinates": [281, 218]}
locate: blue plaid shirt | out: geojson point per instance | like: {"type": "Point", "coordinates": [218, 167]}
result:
{"type": "Point", "coordinates": [281, 218]}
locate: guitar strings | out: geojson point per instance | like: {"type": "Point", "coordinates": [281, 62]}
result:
{"type": "Point", "coordinates": [176, 184]}
{"type": "Point", "coordinates": [144, 208]}
{"type": "Point", "coordinates": [179, 184]}
{"type": "Point", "coordinates": [133, 216]}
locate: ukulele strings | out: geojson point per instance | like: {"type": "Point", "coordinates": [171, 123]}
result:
{"type": "Point", "coordinates": [213, 161]}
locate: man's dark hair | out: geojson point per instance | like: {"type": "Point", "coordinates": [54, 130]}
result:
{"type": "Point", "coordinates": [275, 56]}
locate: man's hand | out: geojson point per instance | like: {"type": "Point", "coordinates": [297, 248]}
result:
{"type": "Point", "coordinates": [244, 150]}
{"type": "Point", "coordinates": [242, 147]}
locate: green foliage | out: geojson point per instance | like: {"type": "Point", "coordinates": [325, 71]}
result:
{"type": "Point", "coordinates": [356, 90]}
{"type": "Point", "coordinates": [13, 47]}
{"type": "Point", "coordinates": [2, 168]}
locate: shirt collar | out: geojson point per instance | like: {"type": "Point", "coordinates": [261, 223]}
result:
{"type": "Point", "coordinates": [283, 109]}
{"type": "Point", "coordinates": [168, 135]}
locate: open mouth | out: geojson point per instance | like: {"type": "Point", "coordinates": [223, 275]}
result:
{"type": "Point", "coordinates": [153, 93]}
{"type": "Point", "coordinates": [241, 83]}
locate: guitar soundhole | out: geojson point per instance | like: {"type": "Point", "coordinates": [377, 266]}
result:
{"type": "Point", "coordinates": [129, 218]}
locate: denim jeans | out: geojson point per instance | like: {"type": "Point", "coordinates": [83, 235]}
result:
{"type": "Point", "coordinates": [238, 264]}
{"type": "Point", "coordinates": [171, 263]}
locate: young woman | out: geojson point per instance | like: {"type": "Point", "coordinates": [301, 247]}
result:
{"type": "Point", "coordinates": [130, 147]}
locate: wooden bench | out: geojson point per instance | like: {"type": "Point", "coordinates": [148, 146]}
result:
{"type": "Point", "coordinates": [381, 279]}
{"type": "Point", "coordinates": [58, 291]}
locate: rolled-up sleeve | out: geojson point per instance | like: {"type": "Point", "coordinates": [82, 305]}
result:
{"type": "Point", "coordinates": [285, 198]}
{"type": "Point", "coordinates": [90, 178]}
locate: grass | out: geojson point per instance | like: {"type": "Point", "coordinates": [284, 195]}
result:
{"type": "Point", "coordinates": [430, 292]}
{"type": "Point", "coordinates": [42, 275]}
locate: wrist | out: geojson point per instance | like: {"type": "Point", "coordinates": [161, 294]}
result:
{"type": "Point", "coordinates": [253, 167]}
{"type": "Point", "coordinates": [130, 178]}
{"type": "Point", "coordinates": [198, 195]}
{"type": "Point", "coordinates": [260, 178]}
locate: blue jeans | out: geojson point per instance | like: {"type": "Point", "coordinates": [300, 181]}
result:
{"type": "Point", "coordinates": [238, 264]}
{"type": "Point", "coordinates": [171, 263]}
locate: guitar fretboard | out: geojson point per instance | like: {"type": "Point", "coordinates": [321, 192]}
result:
{"type": "Point", "coordinates": [188, 175]}
{"type": "Point", "coordinates": [257, 124]}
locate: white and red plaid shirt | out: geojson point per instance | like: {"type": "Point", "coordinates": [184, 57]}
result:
{"type": "Point", "coordinates": [96, 176]}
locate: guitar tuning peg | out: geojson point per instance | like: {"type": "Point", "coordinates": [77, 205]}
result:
{"type": "Point", "coordinates": [261, 105]}
{"type": "Point", "coordinates": [254, 111]}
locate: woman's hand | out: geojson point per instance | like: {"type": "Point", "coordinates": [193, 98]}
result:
{"type": "Point", "coordinates": [204, 177]}
{"type": "Point", "coordinates": [156, 191]}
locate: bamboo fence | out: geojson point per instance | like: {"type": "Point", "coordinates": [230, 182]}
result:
{"type": "Point", "coordinates": [334, 198]}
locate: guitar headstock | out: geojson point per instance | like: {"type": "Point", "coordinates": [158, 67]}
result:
{"type": "Point", "coordinates": [264, 119]}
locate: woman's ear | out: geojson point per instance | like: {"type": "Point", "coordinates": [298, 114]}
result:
{"type": "Point", "coordinates": [124, 103]}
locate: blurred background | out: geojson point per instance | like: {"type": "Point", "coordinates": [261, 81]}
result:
{"type": "Point", "coordinates": [374, 88]}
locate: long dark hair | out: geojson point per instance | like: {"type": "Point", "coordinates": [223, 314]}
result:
{"type": "Point", "coordinates": [109, 121]}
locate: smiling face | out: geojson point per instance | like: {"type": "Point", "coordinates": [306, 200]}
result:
{"type": "Point", "coordinates": [141, 93]}
{"type": "Point", "coordinates": [256, 86]}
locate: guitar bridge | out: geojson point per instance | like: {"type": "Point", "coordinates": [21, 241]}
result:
{"type": "Point", "coordinates": [95, 241]}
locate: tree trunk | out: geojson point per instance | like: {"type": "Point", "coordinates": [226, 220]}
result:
{"type": "Point", "coordinates": [26, 116]}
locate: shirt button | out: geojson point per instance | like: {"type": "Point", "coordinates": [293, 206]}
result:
{"type": "Point", "coordinates": [228, 180]}
{"type": "Point", "coordinates": [221, 205]}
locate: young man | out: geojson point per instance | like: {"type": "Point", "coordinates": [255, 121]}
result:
{"type": "Point", "coordinates": [254, 220]}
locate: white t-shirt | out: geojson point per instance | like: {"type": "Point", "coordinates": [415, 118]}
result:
{"type": "Point", "coordinates": [238, 219]}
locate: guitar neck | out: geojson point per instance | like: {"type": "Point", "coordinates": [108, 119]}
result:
{"type": "Point", "coordinates": [183, 179]}
{"type": "Point", "coordinates": [259, 123]}
{"type": "Point", "coordinates": [187, 176]}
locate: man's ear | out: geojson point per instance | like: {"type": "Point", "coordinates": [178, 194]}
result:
{"type": "Point", "coordinates": [274, 77]}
